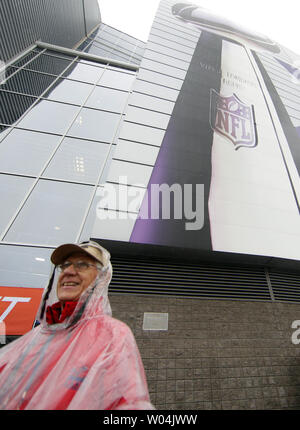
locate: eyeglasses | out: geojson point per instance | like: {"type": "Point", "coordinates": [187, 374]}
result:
{"type": "Point", "coordinates": [79, 266]}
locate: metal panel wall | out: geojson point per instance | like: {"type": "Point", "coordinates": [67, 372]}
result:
{"type": "Point", "coordinates": [22, 22]}
{"type": "Point", "coordinates": [92, 14]}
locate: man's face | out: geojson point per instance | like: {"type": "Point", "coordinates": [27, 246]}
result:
{"type": "Point", "coordinates": [71, 282]}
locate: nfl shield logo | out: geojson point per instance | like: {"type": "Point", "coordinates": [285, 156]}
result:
{"type": "Point", "coordinates": [232, 118]}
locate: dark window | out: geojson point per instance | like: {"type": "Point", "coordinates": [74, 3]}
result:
{"type": "Point", "coordinates": [13, 106]}
{"type": "Point", "coordinates": [27, 82]}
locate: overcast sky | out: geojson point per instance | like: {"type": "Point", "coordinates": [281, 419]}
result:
{"type": "Point", "coordinates": [277, 20]}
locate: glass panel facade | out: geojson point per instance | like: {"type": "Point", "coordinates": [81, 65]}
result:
{"type": "Point", "coordinates": [89, 124]}
{"type": "Point", "coordinates": [50, 117]}
{"type": "Point", "coordinates": [109, 42]}
{"type": "Point", "coordinates": [86, 232]}
{"type": "Point", "coordinates": [152, 103]}
{"type": "Point", "coordinates": [59, 122]}
{"type": "Point", "coordinates": [166, 81]}
{"type": "Point", "coordinates": [107, 99]}
{"type": "Point", "coordinates": [59, 116]}
{"type": "Point", "coordinates": [52, 214]}
{"type": "Point", "coordinates": [78, 161]}
{"type": "Point", "coordinates": [109, 225]}
{"type": "Point", "coordinates": [81, 71]}
{"type": "Point", "coordinates": [68, 91]}
{"type": "Point", "coordinates": [166, 59]}
{"type": "Point", "coordinates": [25, 152]}
{"type": "Point", "coordinates": [12, 191]}
{"type": "Point", "coordinates": [178, 46]}
{"type": "Point", "coordinates": [136, 152]}
{"type": "Point", "coordinates": [163, 68]}
{"type": "Point", "coordinates": [13, 106]}
{"type": "Point", "coordinates": [49, 64]}
{"type": "Point", "coordinates": [27, 58]}
{"type": "Point", "coordinates": [27, 82]}
{"type": "Point", "coordinates": [177, 53]}
{"type": "Point", "coordinates": [147, 117]}
{"type": "Point", "coordinates": [116, 79]}
{"type": "Point", "coordinates": [141, 133]}
{"type": "Point", "coordinates": [155, 90]}
{"type": "Point", "coordinates": [161, 32]}
{"type": "Point", "coordinates": [129, 173]}
{"type": "Point", "coordinates": [121, 198]}
{"type": "Point", "coordinates": [22, 266]}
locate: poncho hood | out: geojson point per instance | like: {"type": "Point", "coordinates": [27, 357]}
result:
{"type": "Point", "coordinates": [94, 301]}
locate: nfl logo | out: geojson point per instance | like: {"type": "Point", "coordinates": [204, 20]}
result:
{"type": "Point", "coordinates": [232, 118]}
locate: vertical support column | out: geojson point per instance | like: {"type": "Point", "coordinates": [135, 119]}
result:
{"type": "Point", "coordinates": [84, 19]}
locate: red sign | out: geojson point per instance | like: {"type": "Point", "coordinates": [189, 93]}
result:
{"type": "Point", "coordinates": [18, 308]}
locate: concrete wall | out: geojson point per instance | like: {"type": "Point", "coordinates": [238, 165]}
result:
{"type": "Point", "coordinates": [217, 354]}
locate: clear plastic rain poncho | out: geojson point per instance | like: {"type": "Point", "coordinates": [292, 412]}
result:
{"type": "Point", "coordinates": [90, 361]}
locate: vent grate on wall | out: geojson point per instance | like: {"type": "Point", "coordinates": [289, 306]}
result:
{"type": "Point", "coordinates": [285, 286]}
{"type": "Point", "coordinates": [142, 276]}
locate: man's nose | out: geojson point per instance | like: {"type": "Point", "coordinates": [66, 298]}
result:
{"type": "Point", "coordinates": [70, 270]}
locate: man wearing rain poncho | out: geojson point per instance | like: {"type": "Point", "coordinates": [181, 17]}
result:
{"type": "Point", "coordinates": [79, 357]}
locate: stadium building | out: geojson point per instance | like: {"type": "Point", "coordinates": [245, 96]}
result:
{"type": "Point", "coordinates": [181, 156]}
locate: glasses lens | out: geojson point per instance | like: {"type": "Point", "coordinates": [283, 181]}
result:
{"type": "Point", "coordinates": [63, 267]}
{"type": "Point", "coordinates": [79, 266]}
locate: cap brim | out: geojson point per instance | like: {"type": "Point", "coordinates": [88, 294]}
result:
{"type": "Point", "coordinates": [64, 251]}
